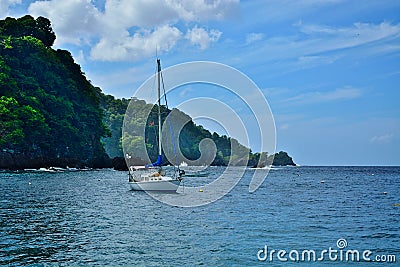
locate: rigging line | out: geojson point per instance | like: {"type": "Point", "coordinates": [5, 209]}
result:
{"type": "Point", "coordinates": [169, 123]}
{"type": "Point", "coordinates": [165, 95]}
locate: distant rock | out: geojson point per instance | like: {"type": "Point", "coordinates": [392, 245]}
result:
{"type": "Point", "coordinates": [283, 159]}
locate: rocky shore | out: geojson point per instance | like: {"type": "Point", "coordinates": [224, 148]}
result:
{"type": "Point", "coordinates": [17, 161]}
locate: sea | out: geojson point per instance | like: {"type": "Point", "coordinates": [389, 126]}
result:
{"type": "Point", "coordinates": [299, 216]}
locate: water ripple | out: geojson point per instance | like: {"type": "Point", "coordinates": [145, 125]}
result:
{"type": "Point", "coordinates": [92, 218]}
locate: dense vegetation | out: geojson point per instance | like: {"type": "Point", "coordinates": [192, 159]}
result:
{"type": "Point", "coordinates": [51, 115]}
{"type": "Point", "coordinates": [49, 112]}
{"type": "Point", "coordinates": [188, 139]}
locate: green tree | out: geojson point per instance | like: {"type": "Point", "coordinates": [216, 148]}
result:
{"type": "Point", "coordinates": [49, 109]}
{"type": "Point", "coordinates": [45, 32]}
{"type": "Point", "coordinates": [21, 124]}
{"type": "Point", "coordinates": [27, 26]}
{"type": "Point", "coordinates": [11, 125]}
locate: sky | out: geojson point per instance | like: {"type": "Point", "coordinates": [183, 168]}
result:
{"type": "Point", "coordinates": [329, 69]}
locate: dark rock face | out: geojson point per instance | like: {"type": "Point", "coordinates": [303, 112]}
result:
{"type": "Point", "coordinates": [119, 164]}
{"type": "Point", "coordinates": [6, 160]}
{"type": "Point", "coordinates": [11, 161]}
{"type": "Point", "coordinates": [18, 161]}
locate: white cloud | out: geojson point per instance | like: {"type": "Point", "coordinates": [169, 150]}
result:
{"type": "Point", "coordinates": [306, 62]}
{"type": "Point", "coordinates": [135, 47]}
{"type": "Point", "coordinates": [284, 126]}
{"type": "Point", "coordinates": [129, 30]}
{"type": "Point", "coordinates": [357, 34]}
{"type": "Point", "coordinates": [318, 97]}
{"type": "Point", "coordinates": [202, 38]}
{"type": "Point", "coordinates": [140, 13]}
{"type": "Point", "coordinates": [74, 21]}
{"type": "Point", "coordinates": [309, 47]}
{"type": "Point", "coordinates": [187, 90]}
{"type": "Point", "coordinates": [150, 13]}
{"type": "Point", "coordinates": [5, 5]}
{"type": "Point", "coordinates": [254, 37]}
{"type": "Point", "coordinates": [381, 139]}
{"type": "Point", "coordinates": [319, 39]}
{"type": "Point", "coordinates": [80, 58]}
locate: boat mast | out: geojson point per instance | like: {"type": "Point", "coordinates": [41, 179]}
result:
{"type": "Point", "coordinates": [159, 105]}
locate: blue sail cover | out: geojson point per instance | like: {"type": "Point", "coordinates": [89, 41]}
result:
{"type": "Point", "coordinates": [155, 164]}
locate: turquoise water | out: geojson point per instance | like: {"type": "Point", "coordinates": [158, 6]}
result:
{"type": "Point", "coordinates": [91, 218]}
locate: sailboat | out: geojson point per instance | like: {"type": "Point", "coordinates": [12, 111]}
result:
{"type": "Point", "coordinates": [152, 177]}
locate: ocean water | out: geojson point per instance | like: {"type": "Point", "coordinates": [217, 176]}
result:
{"type": "Point", "coordinates": [93, 219]}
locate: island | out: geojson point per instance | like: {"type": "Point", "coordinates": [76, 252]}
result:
{"type": "Point", "coordinates": [51, 114]}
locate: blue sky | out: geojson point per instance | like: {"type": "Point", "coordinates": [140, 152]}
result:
{"type": "Point", "coordinates": [330, 70]}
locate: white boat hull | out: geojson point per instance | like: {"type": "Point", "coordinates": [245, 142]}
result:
{"type": "Point", "coordinates": [161, 186]}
